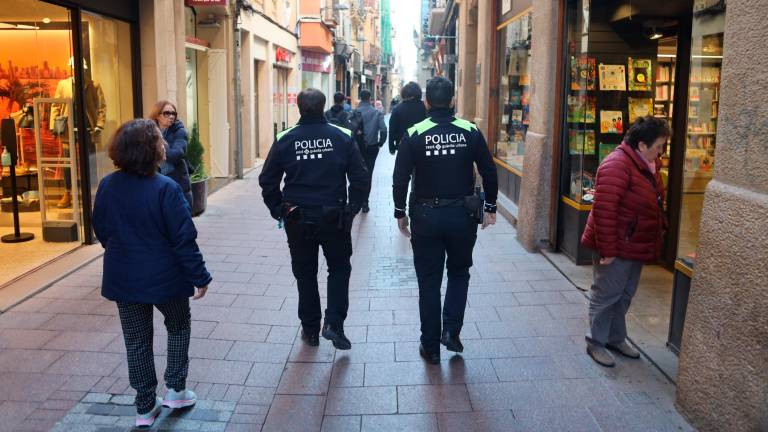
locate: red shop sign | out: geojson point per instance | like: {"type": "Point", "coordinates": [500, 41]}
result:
{"type": "Point", "coordinates": [205, 2]}
{"type": "Point", "coordinates": [282, 55]}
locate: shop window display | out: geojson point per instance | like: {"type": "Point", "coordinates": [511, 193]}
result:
{"type": "Point", "coordinates": [703, 104]}
{"type": "Point", "coordinates": [40, 92]}
{"type": "Point", "coordinates": [515, 85]}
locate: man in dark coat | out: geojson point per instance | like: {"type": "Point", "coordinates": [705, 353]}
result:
{"type": "Point", "coordinates": [406, 114]}
{"type": "Point", "coordinates": [337, 115]}
{"type": "Point", "coordinates": [368, 124]}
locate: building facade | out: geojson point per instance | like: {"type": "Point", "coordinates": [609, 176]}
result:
{"type": "Point", "coordinates": [555, 84]}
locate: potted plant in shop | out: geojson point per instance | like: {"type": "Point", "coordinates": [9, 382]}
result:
{"type": "Point", "coordinates": [198, 177]}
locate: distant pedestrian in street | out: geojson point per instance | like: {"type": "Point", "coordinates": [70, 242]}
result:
{"type": "Point", "coordinates": [408, 112]}
{"type": "Point", "coordinates": [624, 230]}
{"type": "Point", "coordinates": [317, 159]}
{"type": "Point", "coordinates": [441, 153]}
{"type": "Point", "coordinates": [368, 124]}
{"type": "Point", "coordinates": [379, 106]}
{"type": "Point", "coordinates": [337, 115]}
{"type": "Point", "coordinates": [151, 260]}
{"type": "Point", "coordinates": [348, 105]}
{"type": "Point", "coordinates": [175, 136]}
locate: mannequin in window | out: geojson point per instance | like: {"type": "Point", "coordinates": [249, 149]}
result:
{"type": "Point", "coordinates": [95, 113]}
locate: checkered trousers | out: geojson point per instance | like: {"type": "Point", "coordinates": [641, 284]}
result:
{"type": "Point", "coordinates": [136, 320]}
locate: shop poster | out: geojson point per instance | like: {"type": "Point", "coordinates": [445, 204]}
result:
{"type": "Point", "coordinates": [639, 107]}
{"type": "Point", "coordinates": [604, 150]}
{"type": "Point", "coordinates": [583, 73]}
{"type": "Point", "coordinates": [581, 109]}
{"type": "Point", "coordinates": [611, 122]}
{"type": "Point", "coordinates": [640, 78]}
{"type": "Point", "coordinates": [581, 142]}
{"type": "Point", "coordinates": [613, 77]}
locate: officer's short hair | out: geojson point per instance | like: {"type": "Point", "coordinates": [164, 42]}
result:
{"type": "Point", "coordinates": [411, 91]}
{"type": "Point", "coordinates": [365, 95]}
{"type": "Point", "coordinates": [311, 101]}
{"type": "Point", "coordinates": [338, 98]}
{"type": "Point", "coordinates": [440, 92]}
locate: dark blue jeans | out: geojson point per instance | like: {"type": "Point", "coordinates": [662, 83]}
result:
{"type": "Point", "coordinates": [441, 237]}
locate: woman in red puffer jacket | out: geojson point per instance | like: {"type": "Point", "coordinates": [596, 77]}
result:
{"type": "Point", "coordinates": [624, 229]}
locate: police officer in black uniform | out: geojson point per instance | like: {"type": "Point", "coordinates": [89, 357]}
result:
{"type": "Point", "coordinates": [441, 153]}
{"type": "Point", "coordinates": [317, 158]}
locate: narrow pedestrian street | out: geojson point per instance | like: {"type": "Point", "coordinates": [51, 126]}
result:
{"type": "Point", "coordinates": [62, 364]}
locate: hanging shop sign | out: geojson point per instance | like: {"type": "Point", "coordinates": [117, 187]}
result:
{"type": "Point", "coordinates": [315, 62]}
{"type": "Point", "coordinates": [283, 56]}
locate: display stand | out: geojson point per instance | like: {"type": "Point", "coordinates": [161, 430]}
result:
{"type": "Point", "coordinates": [8, 132]}
{"type": "Point", "coordinates": [57, 227]}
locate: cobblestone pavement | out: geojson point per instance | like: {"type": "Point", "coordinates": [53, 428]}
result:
{"type": "Point", "coordinates": [524, 367]}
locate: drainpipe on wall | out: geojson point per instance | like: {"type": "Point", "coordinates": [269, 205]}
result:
{"type": "Point", "coordinates": [238, 96]}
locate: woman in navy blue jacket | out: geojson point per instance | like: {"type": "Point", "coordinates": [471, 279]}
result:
{"type": "Point", "coordinates": [151, 260]}
{"type": "Point", "coordinates": [175, 135]}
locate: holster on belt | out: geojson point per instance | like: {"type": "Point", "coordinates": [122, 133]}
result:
{"type": "Point", "coordinates": [473, 204]}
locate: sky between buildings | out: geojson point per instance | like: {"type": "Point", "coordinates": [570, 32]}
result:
{"type": "Point", "coordinates": [405, 19]}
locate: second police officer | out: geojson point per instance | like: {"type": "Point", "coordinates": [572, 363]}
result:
{"type": "Point", "coordinates": [441, 153]}
{"type": "Point", "coordinates": [317, 158]}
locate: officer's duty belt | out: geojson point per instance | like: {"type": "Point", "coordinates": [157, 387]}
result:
{"type": "Point", "coordinates": [441, 202]}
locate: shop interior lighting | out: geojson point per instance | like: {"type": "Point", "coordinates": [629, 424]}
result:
{"type": "Point", "coordinates": [27, 27]}
{"type": "Point", "coordinates": [46, 20]}
{"type": "Point", "coordinates": [666, 56]}
{"type": "Point", "coordinates": [707, 56]}
{"type": "Point", "coordinates": [655, 34]}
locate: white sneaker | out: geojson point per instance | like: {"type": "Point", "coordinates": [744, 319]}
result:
{"type": "Point", "coordinates": [180, 399]}
{"type": "Point", "coordinates": [148, 419]}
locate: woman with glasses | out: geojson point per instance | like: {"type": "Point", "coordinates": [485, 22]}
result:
{"type": "Point", "coordinates": [175, 135]}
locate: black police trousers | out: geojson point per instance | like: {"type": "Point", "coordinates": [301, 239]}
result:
{"type": "Point", "coordinates": [305, 237]}
{"type": "Point", "coordinates": [438, 233]}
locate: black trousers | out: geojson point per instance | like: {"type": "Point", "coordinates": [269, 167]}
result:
{"type": "Point", "coordinates": [370, 153]}
{"type": "Point", "coordinates": [305, 238]}
{"type": "Point", "coordinates": [138, 332]}
{"type": "Point", "coordinates": [437, 234]}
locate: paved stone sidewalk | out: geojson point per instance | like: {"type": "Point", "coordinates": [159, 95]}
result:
{"type": "Point", "coordinates": [524, 367]}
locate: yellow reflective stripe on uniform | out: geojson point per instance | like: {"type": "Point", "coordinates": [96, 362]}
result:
{"type": "Point", "coordinates": [280, 135]}
{"type": "Point", "coordinates": [343, 129]}
{"type": "Point", "coordinates": [422, 126]}
{"type": "Point", "coordinates": [464, 124]}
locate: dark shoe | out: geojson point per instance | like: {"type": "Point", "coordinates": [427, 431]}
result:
{"type": "Point", "coordinates": [365, 208]}
{"type": "Point", "coordinates": [312, 339]}
{"type": "Point", "coordinates": [625, 349]}
{"type": "Point", "coordinates": [452, 342]}
{"type": "Point", "coordinates": [336, 335]}
{"type": "Point", "coordinates": [431, 358]}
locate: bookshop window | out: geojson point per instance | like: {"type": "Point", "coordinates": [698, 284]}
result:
{"type": "Point", "coordinates": [515, 87]}
{"type": "Point", "coordinates": [581, 161]}
{"type": "Point", "coordinates": [703, 101]}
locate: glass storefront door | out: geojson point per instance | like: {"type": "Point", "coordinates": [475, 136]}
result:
{"type": "Point", "coordinates": [67, 95]}
{"type": "Point", "coordinates": [37, 63]}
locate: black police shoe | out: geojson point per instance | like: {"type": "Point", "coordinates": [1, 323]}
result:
{"type": "Point", "coordinates": [451, 341]}
{"type": "Point", "coordinates": [431, 358]}
{"type": "Point", "coordinates": [311, 339]}
{"type": "Point", "coordinates": [336, 335]}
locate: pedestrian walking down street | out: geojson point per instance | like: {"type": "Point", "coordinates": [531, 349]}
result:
{"type": "Point", "coordinates": [371, 133]}
{"type": "Point", "coordinates": [441, 152]}
{"type": "Point", "coordinates": [175, 136]}
{"type": "Point", "coordinates": [336, 114]}
{"type": "Point", "coordinates": [624, 229]}
{"type": "Point", "coordinates": [151, 260]}
{"type": "Point", "coordinates": [405, 114]}
{"type": "Point", "coordinates": [317, 158]}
